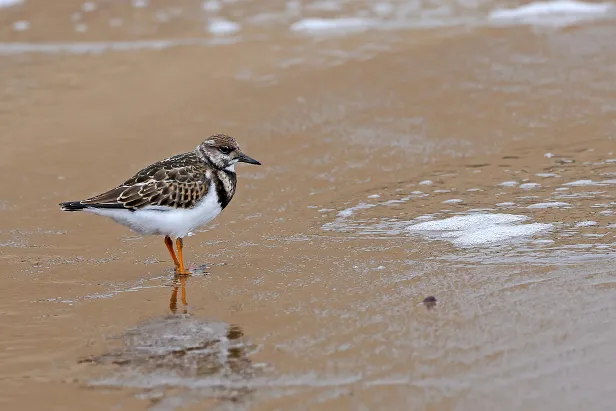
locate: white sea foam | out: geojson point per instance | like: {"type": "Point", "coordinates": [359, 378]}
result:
{"type": "Point", "coordinates": [10, 3]}
{"type": "Point", "coordinates": [140, 3]}
{"type": "Point", "coordinates": [586, 224]}
{"type": "Point", "coordinates": [583, 194]}
{"type": "Point", "coordinates": [21, 25]}
{"type": "Point", "coordinates": [528, 186]}
{"type": "Point", "coordinates": [479, 229]}
{"type": "Point", "coordinates": [211, 5]}
{"type": "Point", "coordinates": [558, 13]}
{"type": "Point", "coordinates": [551, 204]}
{"type": "Point", "coordinates": [580, 183]}
{"type": "Point", "coordinates": [88, 6]}
{"type": "Point", "coordinates": [325, 5]}
{"type": "Point", "coordinates": [347, 212]}
{"type": "Point", "coordinates": [453, 201]}
{"type": "Point", "coordinates": [509, 183]}
{"type": "Point", "coordinates": [383, 8]}
{"type": "Point", "coordinates": [223, 27]}
{"type": "Point", "coordinates": [343, 24]}
{"type": "Point", "coordinates": [102, 47]}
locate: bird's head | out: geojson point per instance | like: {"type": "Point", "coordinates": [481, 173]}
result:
{"type": "Point", "coordinates": [223, 152]}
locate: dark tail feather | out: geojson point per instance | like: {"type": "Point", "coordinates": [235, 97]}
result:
{"type": "Point", "coordinates": [72, 206]}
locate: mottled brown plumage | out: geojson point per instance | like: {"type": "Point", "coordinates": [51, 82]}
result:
{"type": "Point", "coordinates": [180, 181]}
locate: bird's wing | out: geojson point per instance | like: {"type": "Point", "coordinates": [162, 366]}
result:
{"type": "Point", "coordinates": [161, 184]}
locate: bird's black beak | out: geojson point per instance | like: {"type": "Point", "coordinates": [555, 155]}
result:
{"type": "Point", "coordinates": [243, 158]}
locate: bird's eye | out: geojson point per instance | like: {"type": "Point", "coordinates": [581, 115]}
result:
{"type": "Point", "coordinates": [225, 149]}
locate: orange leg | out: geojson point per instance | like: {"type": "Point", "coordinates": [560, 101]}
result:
{"type": "Point", "coordinates": [169, 245]}
{"type": "Point", "coordinates": [181, 269]}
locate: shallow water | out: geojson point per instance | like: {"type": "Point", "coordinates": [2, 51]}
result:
{"type": "Point", "coordinates": [410, 149]}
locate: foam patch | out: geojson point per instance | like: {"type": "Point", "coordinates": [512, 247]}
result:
{"type": "Point", "coordinates": [479, 229]}
{"type": "Point", "coordinates": [559, 13]}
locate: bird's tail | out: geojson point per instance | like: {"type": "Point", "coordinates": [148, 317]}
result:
{"type": "Point", "coordinates": [72, 206]}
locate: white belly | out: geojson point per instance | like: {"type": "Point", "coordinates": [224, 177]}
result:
{"type": "Point", "coordinates": [167, 221]}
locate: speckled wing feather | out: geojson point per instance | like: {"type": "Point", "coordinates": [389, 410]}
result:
{"type": "Point", "coordinates": [178, 182]}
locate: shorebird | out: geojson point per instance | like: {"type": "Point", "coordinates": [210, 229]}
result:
{"type": "Point", "coordinates": [174, 196]}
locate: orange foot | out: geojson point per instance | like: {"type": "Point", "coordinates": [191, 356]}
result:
{"type": "Point", "coordinates": [180, 269]}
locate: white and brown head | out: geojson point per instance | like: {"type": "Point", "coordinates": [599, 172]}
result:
{"type": "Point", "coordinates": [222, 151]}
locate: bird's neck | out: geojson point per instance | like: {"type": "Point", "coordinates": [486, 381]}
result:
{"type": "Point", "coordinates": [225, 182]}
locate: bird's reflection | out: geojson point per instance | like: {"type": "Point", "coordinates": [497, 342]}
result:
{"type": "Point", "coordinates": [179, 281]}
{"type": "Point", "coordinates": [176, 352]}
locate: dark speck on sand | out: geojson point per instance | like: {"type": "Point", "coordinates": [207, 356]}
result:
{"type": "Point", "coordinates": [430, 302]}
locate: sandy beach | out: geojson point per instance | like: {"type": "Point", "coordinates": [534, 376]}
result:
{"type": "Point", "coordinates": [408, 151]}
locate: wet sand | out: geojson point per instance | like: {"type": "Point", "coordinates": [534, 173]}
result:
{"type": "Point", "coordinates": [312, 293]}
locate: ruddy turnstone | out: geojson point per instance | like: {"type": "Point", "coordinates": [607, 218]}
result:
{"type": "Point", "coordinates": [174, 196]}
